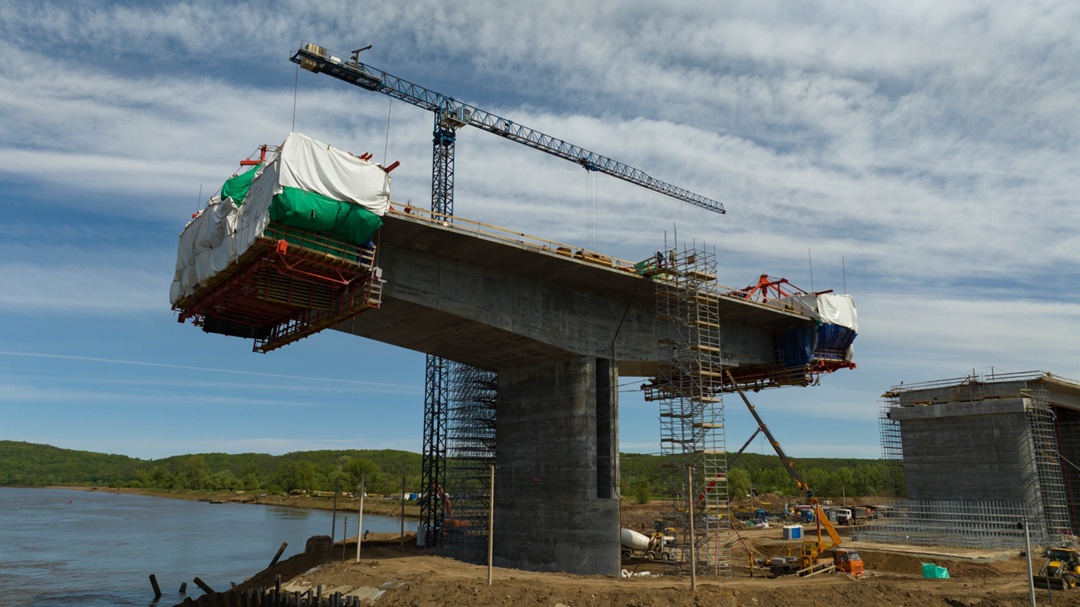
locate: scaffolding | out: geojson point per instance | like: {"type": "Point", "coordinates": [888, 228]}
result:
{"type": "Point", "coordinates": [892, 450]}
{"type": "Point", "coordinates": [470, 453]}
{"type": "Point", "coordinates": [688, 388]}
{"type": "Point", "coordinates": [1048, 482]}
{"type": "Point", "coordinates": [963, 523]}
{"type": "Point", "coordinates": [1052, 444]}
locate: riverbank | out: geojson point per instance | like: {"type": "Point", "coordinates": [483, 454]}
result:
{"type": "Point", "coordinates": [372, 504]}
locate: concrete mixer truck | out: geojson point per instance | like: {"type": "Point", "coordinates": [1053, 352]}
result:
{"type": "Point", "coordinates": [652, 547]}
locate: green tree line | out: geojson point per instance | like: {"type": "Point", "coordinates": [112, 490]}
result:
{"type": "Point", "coordinates": [28, 464]}
{"type": "Point", "coordinates": [643, 476]}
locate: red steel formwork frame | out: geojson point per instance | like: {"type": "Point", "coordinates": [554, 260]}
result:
{"type": "Point", "coordinates": [288, 285]}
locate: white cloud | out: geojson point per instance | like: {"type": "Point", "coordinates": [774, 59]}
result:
{"type": "Point", "coordinates": [931, 147]}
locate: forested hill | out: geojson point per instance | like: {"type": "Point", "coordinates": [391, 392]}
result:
{"type": "Point", "coordinates": [643, 476]}
{"type": "Point", "coordinates": [28, 464]}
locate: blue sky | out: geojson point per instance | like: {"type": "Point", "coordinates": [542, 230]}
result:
{"type": "Point", "coordinates": [924, 155]}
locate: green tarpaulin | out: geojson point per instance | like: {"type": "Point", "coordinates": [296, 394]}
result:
{"type": "Point", "coordinates": [317, 213]}
{"type": "Point", "coordinates": [237, 187]}
{"type": "Point", "coordinates": [931, 571]}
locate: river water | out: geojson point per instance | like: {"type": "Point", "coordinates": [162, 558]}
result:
{"type": "Point", "coordinates": [94, 549]}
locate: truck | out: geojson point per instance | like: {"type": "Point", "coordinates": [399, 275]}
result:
{"type": "Point", "coordinates": [855, 515]}
{"type": "Point", "coordinates": [652, 547]}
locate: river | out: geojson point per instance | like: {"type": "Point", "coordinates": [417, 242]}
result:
{"type": "Point", "coordinates": [96, 549]}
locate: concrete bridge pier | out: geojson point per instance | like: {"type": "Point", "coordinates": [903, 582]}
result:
{"type": "Point", "coordinates": [556, 492]}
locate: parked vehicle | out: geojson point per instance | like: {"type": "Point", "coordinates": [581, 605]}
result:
{"type": "Point", "coordinates": [843, 516]}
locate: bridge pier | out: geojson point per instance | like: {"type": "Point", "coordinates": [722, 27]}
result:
{"type": "Point", "coordinates": [556, 491]}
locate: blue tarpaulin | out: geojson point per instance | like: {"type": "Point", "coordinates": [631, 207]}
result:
{"type": "Point", "coordinates": [797, 346]}
{"type": "Point", "coordinates": [834, 337]}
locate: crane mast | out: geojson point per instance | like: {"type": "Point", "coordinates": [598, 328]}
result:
{"type": "Point", "coordinates": [450, 115]}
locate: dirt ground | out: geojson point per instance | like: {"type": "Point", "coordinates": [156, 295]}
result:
{"type": "Point", "coordinates": [389, 576]}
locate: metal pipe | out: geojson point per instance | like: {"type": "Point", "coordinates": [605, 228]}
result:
{"type": "Point", "coordinates": [693, 543]}
{"type": "Point", "coordinates": [491, 520]}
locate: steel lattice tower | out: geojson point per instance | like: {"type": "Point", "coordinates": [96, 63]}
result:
{"type": "Point", "coordinates": [437, 372]}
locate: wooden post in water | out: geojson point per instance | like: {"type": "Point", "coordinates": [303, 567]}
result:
{"type": "Point", "coordinates": [278, 555]}
{"type": "Point", "coordinates": [157, 589]}
{"type": "Point", "coordinates": [205, 588]}
{"type": "Point", "coordinates": [403, 513]}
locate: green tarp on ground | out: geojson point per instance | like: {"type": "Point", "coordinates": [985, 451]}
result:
{"type": "Point", "coordinates": [931, 571]}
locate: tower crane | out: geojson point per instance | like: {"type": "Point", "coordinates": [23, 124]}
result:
{"type": "Point", "coordinates": [450, 115]}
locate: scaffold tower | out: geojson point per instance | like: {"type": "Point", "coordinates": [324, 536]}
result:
{"type": "Point", "coordinates": [688, 388]}
{"type": "Point", "coordinates": [892, 449]}
{"type": "Point", "coordinates": [1049, 489]}
{"type": "Point", "coordinates": [470, 451]}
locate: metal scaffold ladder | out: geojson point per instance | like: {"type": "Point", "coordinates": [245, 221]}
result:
{"type": "Point", "coordinates": [1050, 488]}
{"type": "Point", "coordinates": [688, 388]}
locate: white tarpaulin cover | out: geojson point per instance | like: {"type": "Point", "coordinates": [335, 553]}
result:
{"type": "Point", "coordinates": [225, 229]}
{"type": "Point", "coordinates": [838, 310]}
{"type": "Point", "coordinates": [831, 308]}
{"type": "Point", "coordinates": [313, 166]}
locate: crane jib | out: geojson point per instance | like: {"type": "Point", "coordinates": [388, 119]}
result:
{"type": "Point", "coordinates": [453, 114]}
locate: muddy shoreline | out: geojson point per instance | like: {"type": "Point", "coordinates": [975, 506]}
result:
{"type": "Point", "coordinates": [372, 504]}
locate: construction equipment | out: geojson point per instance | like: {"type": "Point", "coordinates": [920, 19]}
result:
{"type": "Point", "coordinates": [847, 560]}
{"type": "Point", "coordinates": [450, 115]}
{"type": "Point", "coordinates": [653, 547]}
{"type": "Point", "coordinates": [810, 560]}
{"type": "Point", "coordinates": [1061, 570]}
{"type": "Point", "coordinates": [843, 516]}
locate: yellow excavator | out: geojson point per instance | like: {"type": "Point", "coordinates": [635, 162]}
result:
{"type": "Point", "coordinates": [813, 556]}
{"type": "Point", "coordinates": [1061, 570]}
